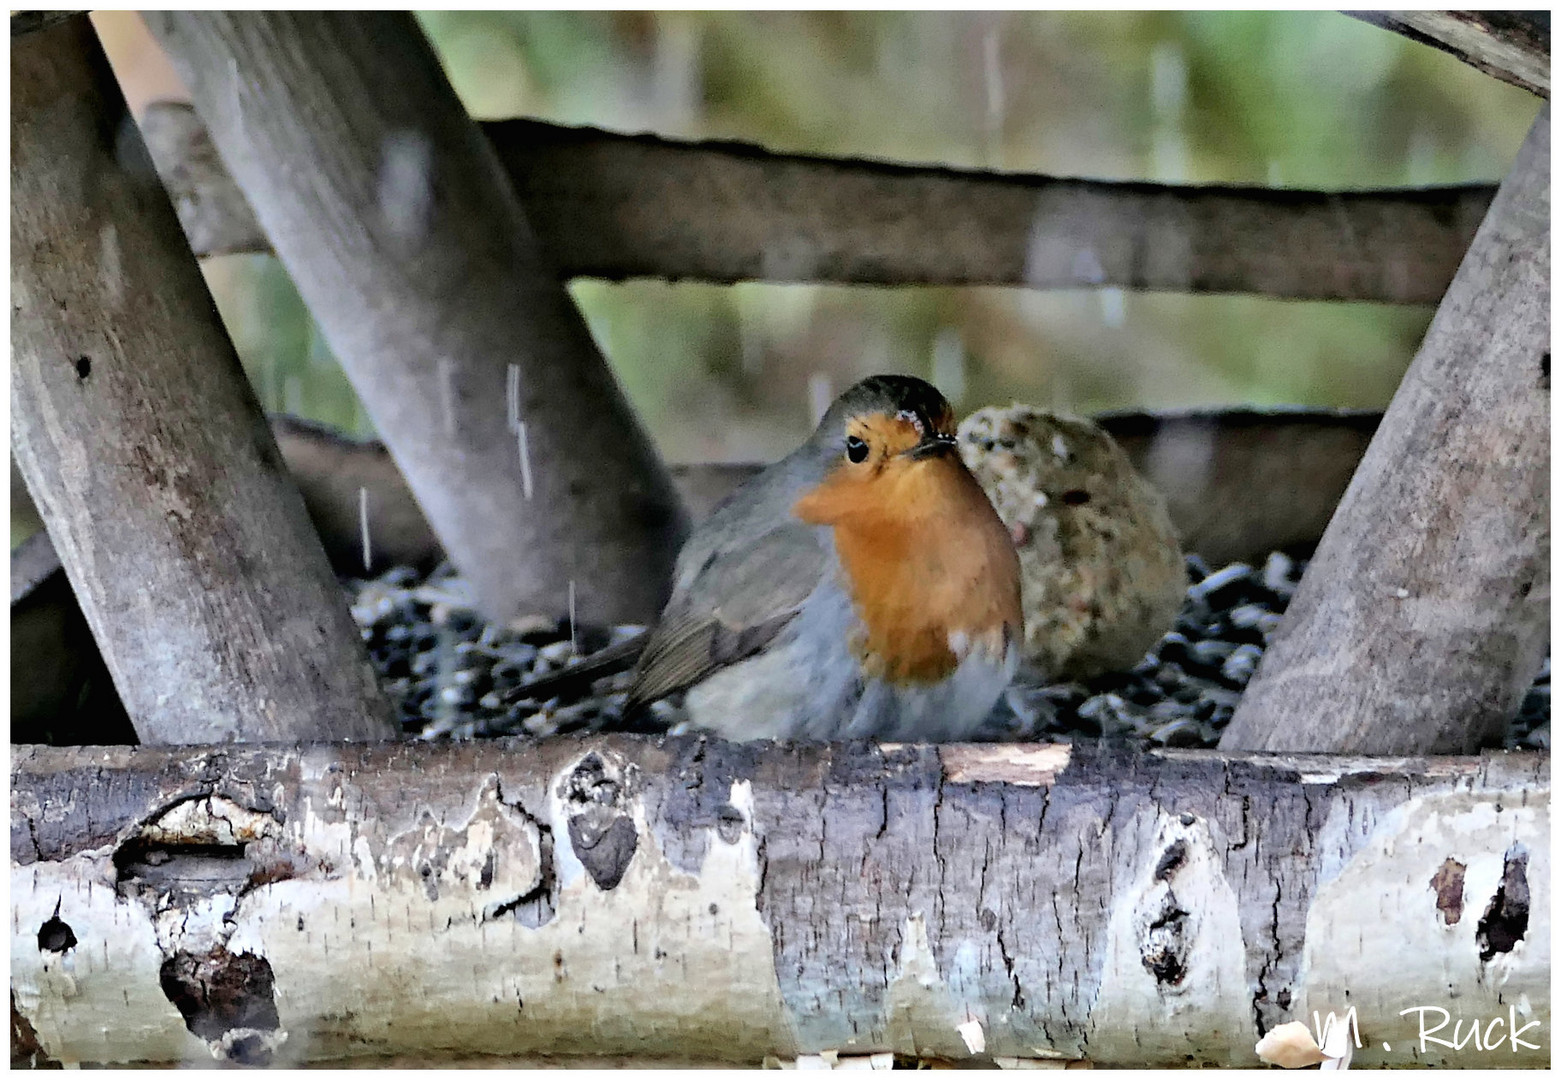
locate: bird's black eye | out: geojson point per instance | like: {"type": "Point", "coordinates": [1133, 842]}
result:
{"type": "Point", "coordinates": [1076, 497]}
{"type": "Point", "coordinates": [856, 449]}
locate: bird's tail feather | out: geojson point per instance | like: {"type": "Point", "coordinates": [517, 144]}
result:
{"type": "Point", "coordinates": [576, 677]}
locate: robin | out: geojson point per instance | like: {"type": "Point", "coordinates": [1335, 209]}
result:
{"type": "Point", "coordinates": [861, 587]}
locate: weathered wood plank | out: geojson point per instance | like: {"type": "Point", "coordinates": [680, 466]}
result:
{"type": "Point", "coordinates": [1425, 614]}
{"type": "Point", "coordinates": [1238, 483]}
{"type": "Point", "coordinates": [730, 901]}
{"type": "Point", "coordinates": [1513, 46]}
{"type": "Point", "coordinates": [184, 538]}
{"type": "Point", "coordinates": [400, 228]}
{"type": "Point", "coordinates": [618, 206]}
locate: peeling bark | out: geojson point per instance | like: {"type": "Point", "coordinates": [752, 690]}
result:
{"type": "Point", "coordinates": [716, 901]}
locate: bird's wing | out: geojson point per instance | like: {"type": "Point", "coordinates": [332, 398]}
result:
{"type": "Point", "coordinates": [729, 608]}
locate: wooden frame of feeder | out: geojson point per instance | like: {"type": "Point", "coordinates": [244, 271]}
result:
{"type": "Point", "coordinates": [687, 898]}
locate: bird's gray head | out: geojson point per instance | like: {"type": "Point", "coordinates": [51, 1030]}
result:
{"type": "Point", "coordinates": [902, 402]}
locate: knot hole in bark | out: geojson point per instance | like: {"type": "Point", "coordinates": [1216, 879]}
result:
{"type": "Point", "coordinates": [1506, 919]}
{"type": "Point", "coordinates": [729, 822]}
{"type": "Point", "coordinates": [596, 795]}
{"type": "Point", "coordinates": [55, 935]}
{"type": "Point", "coordinates": [1163, 943]}
{"type": "Point", "coordinates": [1164, 946]}
{"type": "Point", "coordinates": [227, 999]}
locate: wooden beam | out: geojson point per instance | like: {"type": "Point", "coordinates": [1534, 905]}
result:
{"type": "Point", "coordinates": [1238, 483]}
{"type": "Point", "coordinates": [1425, 614]}
{"type": "Point", "coordinates": [618, 206]}
{"type": "Point", "coordinates": [393, 217]}
{"type": "Point", "coordinates": [1513, 46]}
{"type": "Point", "coordinates": [1019, 904]}
{"type": "Point", "coordinates": [185, 541]}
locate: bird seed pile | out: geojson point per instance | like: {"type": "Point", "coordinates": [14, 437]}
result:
{"type": "Point", "coordinates": [453, 675]}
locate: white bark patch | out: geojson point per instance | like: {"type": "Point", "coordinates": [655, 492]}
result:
{"type": "Point", "coordinates": [112, 972]}
{"type": "Point", "coordinates": [1011, 763]}
{"type": "Point", "coordinates": [1377, 912]}
{"type": "Point", "coordinates": [974, 1036]}
{"type": "Point", "coordinates": [661, 943]}
{"type": "Point", "coordinates": [213, 820]}
{"type": "Point", "coordinates": [1174, 938]}
{"type": "Point", "coordinates": [496, 852]}
{"type": "Point", "coordinates": [196, 927]}
{"type": "Point", "coordinates": [923, 1018]}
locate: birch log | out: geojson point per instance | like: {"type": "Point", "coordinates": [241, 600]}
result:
{"type": "Point", "coordinates": [709, 900]}
{"type": "Point", "coordinates": [142, 442]}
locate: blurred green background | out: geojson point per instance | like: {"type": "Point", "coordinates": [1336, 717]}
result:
{"type": "Point", "coordinates": [1306, 99]}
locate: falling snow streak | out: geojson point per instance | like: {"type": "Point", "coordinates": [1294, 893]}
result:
{"type": "Point", "coordinates": [406, 196]}
{"type": "Point", "coordinates": [996, 104]}
{"type": "Point", "coordinates": [574, 638]}
{"type": "Point", "coordinates": [512, 396]}
{"type": "Point", "coordinates": [518, 426]}
{"type": "Point", "coordinates": [447, 393]}
{"type": "Point", "coordinates": [525, 459]}
{"type": "Point", "coordinates": [363, 528]}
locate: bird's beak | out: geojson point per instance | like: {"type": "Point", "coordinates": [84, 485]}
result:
{"type": "Point", "coordinates": [934, 445]}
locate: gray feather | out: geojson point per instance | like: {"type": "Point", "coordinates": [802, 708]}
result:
{"type": "Point", "coordinates": [727, 606]}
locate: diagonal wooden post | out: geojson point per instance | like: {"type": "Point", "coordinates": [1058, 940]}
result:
{"type": "Point", "coordinates": [1426, 612]}
{"type": "Point", "coordinates": [394, 217]}
{"type": "Point", "coordinates": [144, 447]}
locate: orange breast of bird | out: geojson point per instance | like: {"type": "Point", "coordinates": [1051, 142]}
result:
{"type": "Point", "coordinates": [931, 570]}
